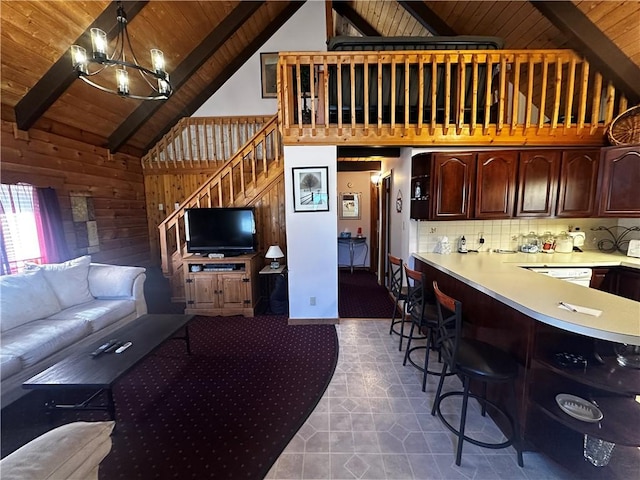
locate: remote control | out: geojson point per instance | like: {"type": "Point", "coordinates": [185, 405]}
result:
{"type": "Point", "coordinates": [124, 347]}
{"type": "Point", "coordinates": [103, 348]}
{"type": "Point", "coordinates": [113, 347]}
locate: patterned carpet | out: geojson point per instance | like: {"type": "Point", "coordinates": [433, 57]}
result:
{"type": "Point", "coordinates": [360, 296]}
{"type": "Point", "coordinates": [227, 411]}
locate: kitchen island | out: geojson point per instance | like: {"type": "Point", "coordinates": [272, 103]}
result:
{"type": "Point", "coordinates": [519, 311]}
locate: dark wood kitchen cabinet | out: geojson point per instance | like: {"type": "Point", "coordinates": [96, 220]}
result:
{"type": "Point", "coordinates": [453, 178]}
{"type": "Point", "coordinates": [628, 283]}
{"type": "Point", "coordinates": [578, 183]}
{"type": "Point", "coordinates": [538, 172]}
{"type": "Point", "coordinates": [619, 180]}
{"type": "Point", "coordinates": [495, 188]}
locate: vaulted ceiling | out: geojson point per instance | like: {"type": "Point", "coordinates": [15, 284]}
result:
{"type": "Point", "coordinates": [205, 42]}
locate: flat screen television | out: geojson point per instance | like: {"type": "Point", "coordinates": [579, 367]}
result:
{"type": "Point", "coordinates": [230, 231]}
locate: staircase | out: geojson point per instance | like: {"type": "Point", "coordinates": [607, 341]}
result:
{"type": "Point", "coordinates": [251, 177]}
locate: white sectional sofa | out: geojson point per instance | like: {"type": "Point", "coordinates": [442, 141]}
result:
{"type": "Point", "coordinates": [50, 311]}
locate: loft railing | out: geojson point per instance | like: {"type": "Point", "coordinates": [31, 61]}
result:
{"type": "Point", "coordinates": [237, 183]}
{"type": "Point", "coordinates": [428, 97]}
{"type": "Point", "coordinates": [202, 142]}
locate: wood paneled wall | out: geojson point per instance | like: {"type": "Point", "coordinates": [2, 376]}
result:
{"type": "Point", "coordinates": [169, 189]}
{"type": "Point", "coordinates": [113, 182]}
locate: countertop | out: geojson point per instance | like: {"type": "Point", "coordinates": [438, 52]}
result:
{"type": "Point", "coordinates": [501, 277]}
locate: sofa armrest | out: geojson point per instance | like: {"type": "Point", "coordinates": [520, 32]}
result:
{"type": "Point", "coordinates": [116, 282]}
{"type": "Point", "coordinates": [138, 295]}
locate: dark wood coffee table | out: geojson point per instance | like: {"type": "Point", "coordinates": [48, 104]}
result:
{"type": "Point", "coordinates": [83, 371]}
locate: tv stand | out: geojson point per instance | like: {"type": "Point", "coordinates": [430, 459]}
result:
{"type": "Point", "coordinates": [221, 286]}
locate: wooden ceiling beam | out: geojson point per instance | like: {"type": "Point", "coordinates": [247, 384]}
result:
{"type": "Point", "coordinates": [588, 40]}
{"type": "Point", "coordinates": [230, 69]}
{"type": "Point", "coordinates": [61, 74]}
{"type": "Point", "coordinates": [344, 9]}
{"type": "Point", "coordinates": [427, 18]}
{"type": "Point", "coordinates": [198, 56]}
{"type": "Point", "coordinates": [359, 166]}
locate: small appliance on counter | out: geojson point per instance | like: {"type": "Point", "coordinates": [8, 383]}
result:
{"type": "Point", "coordinates": [634, 248]}
{"type": "Point", "coordinates": [578, 240]}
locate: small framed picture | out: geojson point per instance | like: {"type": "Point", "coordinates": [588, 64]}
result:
{"type": "Point", "coordinates": [349, 206]}
{"type": "Point", "coordinates": [310, 189]}
{"type": "Point", "coordinates": [269, 74]}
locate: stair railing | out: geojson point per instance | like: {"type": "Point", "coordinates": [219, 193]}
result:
{"type": "Point", "coordinates": [237, 183]}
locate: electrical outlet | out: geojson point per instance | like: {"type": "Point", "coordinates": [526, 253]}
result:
{"type": "Point", "coordinates": [433, 230]}
{"type": "Point", "coordinates": [176, 205]}
{"type": "Point", "coordinates": [312, 301]}
{"type": "Point", "coordinates": [160, 206]}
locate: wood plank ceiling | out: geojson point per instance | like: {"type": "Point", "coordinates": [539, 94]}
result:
{"type": "Point", "coordinates": [209, 40]}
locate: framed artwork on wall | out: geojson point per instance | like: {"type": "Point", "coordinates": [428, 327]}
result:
{"type": "Point", "coordinates": [349, 206]}
{"type": "Point", "coordinates": [310, 189]}
{"type": "Point", "coordinates": [269, 74]}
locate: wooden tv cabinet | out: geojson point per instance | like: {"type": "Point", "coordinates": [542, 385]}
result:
{"type": "Point", "coordinates": [221, 286]}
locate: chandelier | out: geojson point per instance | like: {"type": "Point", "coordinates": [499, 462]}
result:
{"type": "Point", "coordinates": [156, 77]}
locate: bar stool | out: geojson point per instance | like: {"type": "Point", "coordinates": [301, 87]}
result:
{"type": "Point", "coordinates": [398, 291]}
{"type": "Point", "coordinates": [472, 360]}
{"type": "Point", "coordinates": [424, 317]}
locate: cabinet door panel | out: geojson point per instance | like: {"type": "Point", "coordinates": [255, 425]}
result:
{"type": "Point", "coordinates": [537, 183]}
{"type": "Point", "coordinates": [204, 290]}
{"type": "Point", "coordinates": [619, 195]}
{"type": "Point", "coordinates": [453, 178]}
{"type": "Point", "coordinates": [234, 290]}
{"type": "Point", "coordinates": [496, 184]}
{"type": "Point", "coordinates": [578, 181]}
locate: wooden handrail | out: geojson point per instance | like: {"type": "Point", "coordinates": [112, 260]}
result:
{"type": "Point", "coordinates": [236, 183]}
{"type": "Point", "coordinates": [203, 142]}
{"type": "Point", "coordinates": [415, 95]}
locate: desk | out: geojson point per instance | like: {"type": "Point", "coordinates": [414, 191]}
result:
{"type": "Point", "coordinates": [353, 243]}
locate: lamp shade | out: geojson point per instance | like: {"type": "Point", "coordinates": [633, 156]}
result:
{"type": "Point", "coordinates": [274, 252]}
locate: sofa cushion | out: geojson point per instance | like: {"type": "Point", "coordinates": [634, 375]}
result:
{"type": "Point", "coordinates": [69, 280]}
{"type": "Point", "coordinates": [36, 340]}
{"type": "Point", "coordinates": [9, 365]}
{"type": "Point", "coordinates": [106, 282]}
{"type": "Point", "coordinates": [97, 314]}
{"type": "Point", "coordinates": [25, 297]}
{"type": "Point", "coordinates": [71, 451]}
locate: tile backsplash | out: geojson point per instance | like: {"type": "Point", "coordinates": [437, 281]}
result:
{"type": "Point", "coordinates": [505, 234]}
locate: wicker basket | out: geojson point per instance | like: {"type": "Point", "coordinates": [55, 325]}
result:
{"type": "Point", "coordinates": [625, 128]}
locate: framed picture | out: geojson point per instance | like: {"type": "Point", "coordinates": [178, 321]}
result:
{"type": "Point", "coordinates": [349, 206]}
{"type": "Point", "coordinates": [310, 189]}
{"type": "Point", "coordinates": [269, 74]}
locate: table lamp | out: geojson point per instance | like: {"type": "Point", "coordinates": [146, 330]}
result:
{"type": "Point", "coordinates": [274, 253]}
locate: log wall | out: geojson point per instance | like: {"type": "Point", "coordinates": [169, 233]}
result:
{"type": "Point", "coordinates": [114, 183]}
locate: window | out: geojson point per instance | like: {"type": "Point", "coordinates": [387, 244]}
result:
{"type": "Point", "coordinates": [21, 227]}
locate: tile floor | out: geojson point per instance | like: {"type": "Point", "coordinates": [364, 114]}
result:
{"type": "Point", "coordinates": [374, 422]}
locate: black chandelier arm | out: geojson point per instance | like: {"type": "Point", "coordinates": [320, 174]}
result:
{"type": "Point", "coordinates": [108, 90]}
{"type": "Point", "coordinates": [111, 63]}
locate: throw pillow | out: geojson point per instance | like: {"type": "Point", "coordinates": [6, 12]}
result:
{"type": "Point", "coordinates": [69, 280]}
{"type": "Point", "coordinates": [25, 297]}
{"type": "Point", "coordinates": [70, 451]}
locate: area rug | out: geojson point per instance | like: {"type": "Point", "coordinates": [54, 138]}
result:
{"type": "Point", "coordinates": [360, 296]}
{"type": "Point", "coordinates": [227, 411]}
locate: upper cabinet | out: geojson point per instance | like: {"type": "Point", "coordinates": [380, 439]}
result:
{"type": "Point", "coordinates": [508, 183]}
{"type": "Point", "coordinates": [495, 184]}
{"type": "Point", "coordinates": [578, 182]}
{"type": "Point", "coordinates": [537, 183]}
{"type": "Point", "coordinates": [453, 177]}
{"type": "Point", "coordinates": [619, 182]}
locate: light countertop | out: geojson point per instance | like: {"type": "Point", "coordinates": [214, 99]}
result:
{"type": "Point", "coordinates": [501, 277]}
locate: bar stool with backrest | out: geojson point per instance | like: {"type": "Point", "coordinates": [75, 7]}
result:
{"type": "Point", "coordinates": [398, 291]}
{"type": "Point", "coordinates": [472, 359]}
{"type": "Point", "coordinates": [423, 315]}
